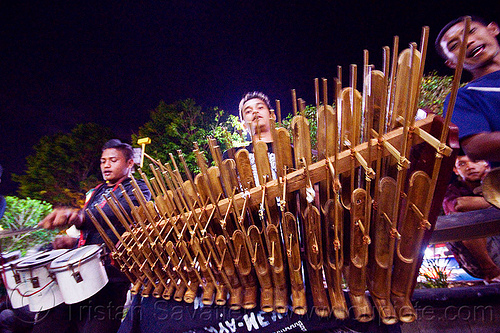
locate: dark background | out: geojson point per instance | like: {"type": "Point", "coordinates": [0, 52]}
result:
{"type": "Point", "coordinates": [111, 62]}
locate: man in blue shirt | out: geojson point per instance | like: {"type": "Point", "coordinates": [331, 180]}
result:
{"type": "Point", "coordinates": [477, 115]}
{"type": "Point", "coordinates": [477, 108]}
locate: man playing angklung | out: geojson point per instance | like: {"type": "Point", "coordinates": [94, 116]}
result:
{"type": "Point", "coordinates": [256, 116]}
{"type": "Point", "coordinates": [103, 311]}
{"type": "Point", "coordinates": [477, 106]}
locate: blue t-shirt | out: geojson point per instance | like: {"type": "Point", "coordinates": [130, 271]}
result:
{"type": "Point", "coordinates": [477, 108]}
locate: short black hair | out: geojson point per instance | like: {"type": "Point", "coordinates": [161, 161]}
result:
{"type": "Point", "coordinates": [251, 95]}
{"type": "Point", "coordinates": [437, 43]}
{"type": "Point", "coordinates": [125, 148]}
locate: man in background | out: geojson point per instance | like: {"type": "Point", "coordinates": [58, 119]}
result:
{"type": "Point", "coordinates": [463, 195]}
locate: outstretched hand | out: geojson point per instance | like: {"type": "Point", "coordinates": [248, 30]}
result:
{"type": "Point", "coordinates": [61, 217]}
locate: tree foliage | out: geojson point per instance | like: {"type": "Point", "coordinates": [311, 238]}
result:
{"type": "Point", "coordinates": [228, 131]}
{"type": "Point", "coordinates": [64, 166]}
{"type": "Point", "coordinates": [178, 125]}
{"type": "Point", "coordinates": [24, 213]}
{"type": "Point", "coordinates": [434, 90]}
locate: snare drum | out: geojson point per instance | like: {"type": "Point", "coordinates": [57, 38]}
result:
{"type": "Point", "coordinates": [13, 284]}
{"type": "Point", "coordinates": [80, 273]}
{"type": "Point", "coordinates": [40, 287]}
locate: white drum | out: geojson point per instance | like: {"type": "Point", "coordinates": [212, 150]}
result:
{"type": "Point", "coordinates": [80, 273]}
{"type": "Point", "coordinates": [40, 288]}
{"type": "Point", "coordinates": [12, 281]}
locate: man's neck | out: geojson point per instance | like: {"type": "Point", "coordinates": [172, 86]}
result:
{"type": "Point", "coordinates": [472, 184]}
{"type": "Point", "coordinates": [114, 183]}
{"type": "Point", "coordinates": [263, 136]}
{"type": "Point", "coordinates": [480, 73]}
{"type": "Point", "coordinates": [488, 68]}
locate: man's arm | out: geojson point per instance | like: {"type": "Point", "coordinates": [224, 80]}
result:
{"type": "Point", "coordinates": [467, 204]}
{"type": "Point", "coordinates": [483, 146]}
{"type": "Point", "coordinates": [62, 217]}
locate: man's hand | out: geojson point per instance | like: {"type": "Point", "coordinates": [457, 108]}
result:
{"type": "Point", "coordinates": [61, 217]}
{"type": "Point", "coordinates": [64, 242]}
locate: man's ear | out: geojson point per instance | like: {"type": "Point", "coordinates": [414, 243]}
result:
{"type": "Point", "coordinates": [450, 64]}
{"type": "Point", "coordinates": [455, 171]}
{"type": "Point", "coordinates": [493, 28]}
{"type": "Point", "coordinates": [130, 163]}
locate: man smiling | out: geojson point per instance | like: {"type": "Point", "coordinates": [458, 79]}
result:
{"type": "Point", "coordinates": [478, 103]}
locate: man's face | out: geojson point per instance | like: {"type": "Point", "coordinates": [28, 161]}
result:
{"type": "Point", "coordinates": [471, 170]}
{"type": "Point", "coordinates": [482, 45]}
{"type": "Point", "coordinates": [114, 166]}
{"type": "Point", "coordinates": [256, 113]}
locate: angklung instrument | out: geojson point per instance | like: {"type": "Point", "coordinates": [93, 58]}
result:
{"type": "Point", "coordinates": [360, 210]}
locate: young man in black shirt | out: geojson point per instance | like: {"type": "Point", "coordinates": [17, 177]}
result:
{"type": "Point", "coordinates": [103, 311]}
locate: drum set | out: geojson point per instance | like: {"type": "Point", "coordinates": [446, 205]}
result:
{"type": "Point", "coordinates": [47, 279]}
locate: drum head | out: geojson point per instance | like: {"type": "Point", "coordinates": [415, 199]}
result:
{"type": "Point", "coordinates": [76, 256]}
{"type": "Point", "coordinates": [40, 259]}
{"type": "Point", "coordinates": [11, 264]}
{"type": "Point", "coordinates": [10, 256]}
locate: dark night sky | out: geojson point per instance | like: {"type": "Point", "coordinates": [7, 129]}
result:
{"type": "Point", "coordinates": [111, 62]}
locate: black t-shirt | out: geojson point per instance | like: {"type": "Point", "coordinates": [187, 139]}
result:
{"type": "Point", "coordinates": [231, 152]}
{"type": "Point", "coordinates": [91, 234]}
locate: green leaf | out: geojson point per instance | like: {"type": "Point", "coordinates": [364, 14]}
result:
{"type": "Point", "coordinates": [25, 213]}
